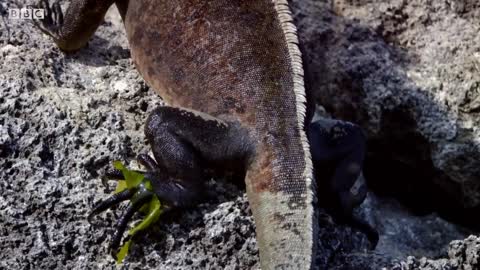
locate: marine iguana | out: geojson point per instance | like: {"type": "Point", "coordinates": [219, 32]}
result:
{"type": "Point", "coordinates": [231, 72]}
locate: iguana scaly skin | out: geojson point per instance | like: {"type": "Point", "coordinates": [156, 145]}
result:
{"type": "Point", "coordinates": [231, 72]}
{"type": "Point", "coordinates": [239, 61]}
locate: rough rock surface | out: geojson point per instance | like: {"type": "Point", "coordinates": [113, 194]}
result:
{"type": "Point", "coordinates": [461, 255]}
{"type": "Point", "coordinates": [64, 118]}
{"type": "Point", "coordinates": [409, 73]}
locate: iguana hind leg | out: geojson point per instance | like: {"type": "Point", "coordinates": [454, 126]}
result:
{"type": "Point", "coordinates": [185, 144]}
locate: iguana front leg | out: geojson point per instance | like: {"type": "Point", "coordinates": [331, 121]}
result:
{"type": "Point", "coordinates": [184, 144]}
{"type": "Point", "coordinates": [72, 31]}
{"type": "Point", "coordinates": [338, 151]}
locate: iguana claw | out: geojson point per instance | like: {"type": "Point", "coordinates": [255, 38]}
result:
{"type": "Point", "coordinates": [52, 21]}
{"type": "Point", "coordinates": [136, 188]}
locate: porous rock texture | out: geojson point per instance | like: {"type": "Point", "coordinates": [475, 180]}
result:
{"type": "Point", "coordinates": [461, 255]}
{"type": "Point", "coordinates": [64, 118]}
{"type": "Point", "coordinates": [409, 73]}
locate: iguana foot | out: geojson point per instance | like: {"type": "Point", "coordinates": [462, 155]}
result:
{"type": "Point", "coordinates": [171, 194]}
{"type": "Point", "coordinates": [185, 145]}
{"type": "Point", "coordinates": [110, 202]}
{"type": "Point", "coordinates": [367, 229]}
{"type": "Point", "coordinates": [139, 196]}
{"type": "Point", "coordinates": [52, 21]}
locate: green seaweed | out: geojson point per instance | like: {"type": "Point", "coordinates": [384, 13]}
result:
{"type": "Point", "coordinates": [152, 209]}
{"type": "Point", "coordinates": [123, 251]}
{"type": "Point", "coordinates": [132, 178]}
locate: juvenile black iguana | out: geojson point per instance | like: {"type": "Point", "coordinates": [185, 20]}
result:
{"type": "Point", "coordinates": [231, 72]}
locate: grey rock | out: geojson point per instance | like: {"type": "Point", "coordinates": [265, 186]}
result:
{"type": "Point", "coordinates": [409, 73]}
{"type": "Point", "coordinates": [462, 254]}
{"type": "Point", "coordinates": [64, 118]}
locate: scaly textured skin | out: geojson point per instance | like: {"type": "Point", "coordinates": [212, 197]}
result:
{"type": "Point", "coordinates": [237, 62]}
{"type": "Point", "coordinates": [232, 60]}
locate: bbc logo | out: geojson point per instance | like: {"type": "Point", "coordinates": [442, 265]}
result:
{"type": "Point", "coordinates": [26, 13]}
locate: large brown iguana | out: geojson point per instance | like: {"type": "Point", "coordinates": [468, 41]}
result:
{"type": "Point", "coordinates": [231, 73]}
